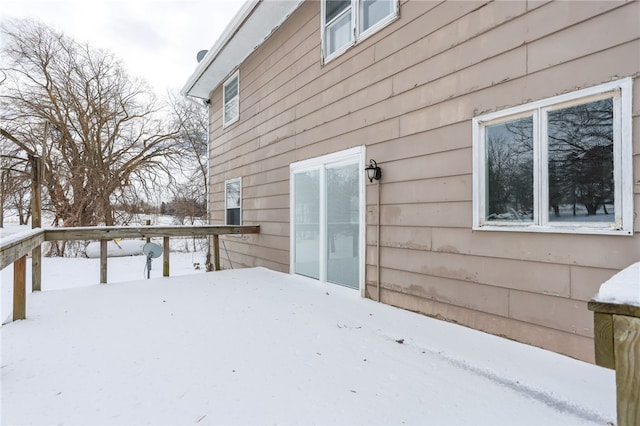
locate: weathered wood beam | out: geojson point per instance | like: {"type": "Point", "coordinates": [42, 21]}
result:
{"type": "Point", "coordinates": [603, 340]}
{"type": "Point", "coordinates": [36, 218]}
{"type": "Point", "coordinates": [626, 340]}
{"type": "Point", "coordinates": [15, 247]}
{"type": "Point", "coordinates": [103, 261]}
{"type": "Point", "coordinates": [612, 308]}
{"type": "Point", "coordinates": [36, 269]}
{"type": "Point", "coordinates": [216, 252]}
{"type": "Point", "coordinates": [111, 232]}
{"type": "Point", "coordinates": [20, 288]}
{"type": "Point", "coordinates": [165, 256]}
{"type": "Point", "coordinates": [617, 346]}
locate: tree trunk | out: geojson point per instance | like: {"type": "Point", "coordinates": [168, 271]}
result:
{"type": "Point", "coordinates": [592, 208]}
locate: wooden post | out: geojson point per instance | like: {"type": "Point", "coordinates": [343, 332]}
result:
{"type": "Point", "coordinates": [165, 256]}
{"type": "Point", "coordinates": [20, 289]}
{"type": "Point", "coordinates": [36, 220]}
{"type": "Point", "coordinates": [216, 252]}
{"type": "Point", "coordinates": [103, 261]}
{"type": "Point", "coordinates": [626, 341]}
{"type": "Point", "coordinates": [36, 269]}
{"type": "Point", "coordinates": [603, 340]}
{"type": "Point", "coordinates": [617, 346]}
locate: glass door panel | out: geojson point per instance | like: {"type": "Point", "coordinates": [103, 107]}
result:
{"type": "Point", "coordinates": [307, 223]}
{"type": "Point", "coordinates": [343, 224]}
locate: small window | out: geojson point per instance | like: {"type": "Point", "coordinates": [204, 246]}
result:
{"type": "Point", "coordinates": [233, 202]}
{"type": "Point", "coordinates": [558, 165]}
{"type": "Point", "coordinates": [231, 100]}
{"type": "Point", "coordinates": [345, 22]}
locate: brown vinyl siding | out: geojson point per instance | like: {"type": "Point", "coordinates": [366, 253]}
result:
{"type": "Point", "coordinates": [408, 93]}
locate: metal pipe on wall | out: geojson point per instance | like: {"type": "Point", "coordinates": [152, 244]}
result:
{"type": "Point", "coordinates": [378, 242]}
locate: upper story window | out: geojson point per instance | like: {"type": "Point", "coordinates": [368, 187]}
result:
{"type": "Point", "coordinates": [233, 202]}
{"type": "Point", "coordinates": [345, 22]}
{"type": "Point", "coordinates": [231, 99]}
{"type": "Point", "coordinates": [563, 164]}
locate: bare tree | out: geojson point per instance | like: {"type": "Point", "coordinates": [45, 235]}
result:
{"type": "Point", "coordinates": [510, 170]}
{"type": "Point", "coordinates": [192, 140]}
{"type": "Point", "coordinates": [189, 200]}
{"type": "Point", "coordinates": [108, 134]}
{"type": "Point", "coordinates": [14, 183]}
{"type": "Point", "coordinates": [581, 156]}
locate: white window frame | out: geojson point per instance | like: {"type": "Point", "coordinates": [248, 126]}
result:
{"type": "Point", "coordinates": [348, 156]}
{"type": "Point", "coordinates": [226, 207]}
{"type": "Point", "coordinates": [226, 121]}
{"type": "Point", "coordinates": [356, 34]}
{"type": "Point", "coordinates": [621, 92]}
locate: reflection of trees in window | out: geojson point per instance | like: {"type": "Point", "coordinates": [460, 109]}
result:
{"type": "Point", "coordinates": [231, 100]}
{"type": "Point", "coordinates": [510, 170]}
{"type": "Point", "coordinates": [233, 194]}
{"type": "Point", "coordinates": [580, 142]}
{"type": "Point", "coordinates": [233, 203]}
{"type": "Point", "coordinates": [335, 7]}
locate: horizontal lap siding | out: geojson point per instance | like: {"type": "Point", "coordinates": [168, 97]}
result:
{"type": "Point", "coordinates": [408, 93]}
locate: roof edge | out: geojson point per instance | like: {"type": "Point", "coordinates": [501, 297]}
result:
{"type": "Point", "coordinates": [252, 25]}
{"type": "Point", "coordinates": [222, 41]}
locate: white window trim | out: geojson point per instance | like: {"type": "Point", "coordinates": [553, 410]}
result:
{"type": "Point", "coordinates": [226, 122]}
{"type": "Point", "coordinates": [320, 163]}
{"type": "Point", "coordinates": [622, 155]}
{"type": "Point", "coordinates": [379, 25]}
{"type": "Point", "coordinates": [227, 182]}
{"type": "Point", "coordinates": [356, 35]}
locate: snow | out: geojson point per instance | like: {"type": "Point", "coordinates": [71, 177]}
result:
{"type": "Point", "coordinates": [14, 233]}
{"type": "Point", "coordinates": [254, 346]}
{"type": "Point", "coordinates": [61, 273]}
{"type": "Point", "coordinates": [623, 288]}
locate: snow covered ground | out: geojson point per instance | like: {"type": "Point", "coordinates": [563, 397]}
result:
{"type": "Point", "coordinates": [61, 273]}
{"type": "Point", "coordinates": [254, 346]}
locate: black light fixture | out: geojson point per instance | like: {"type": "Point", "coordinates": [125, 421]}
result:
{"type": "Point", "coordinates": [373, 171]}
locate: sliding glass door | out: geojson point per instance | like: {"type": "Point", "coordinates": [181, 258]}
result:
{"type": "Point", "coordinates": [327, 214]}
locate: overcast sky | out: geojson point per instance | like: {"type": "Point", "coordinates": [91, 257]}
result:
{"type": "Point", "coordinates": [156, 39]}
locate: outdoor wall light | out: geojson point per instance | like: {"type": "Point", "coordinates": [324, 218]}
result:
{"type": "Point", "coordinates": [373, 171]}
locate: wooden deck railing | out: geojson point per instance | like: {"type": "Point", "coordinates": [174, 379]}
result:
{"type": "Point", "coordinates": [617, 346]}
{"type": "Point", "coordinates": [16, 248]}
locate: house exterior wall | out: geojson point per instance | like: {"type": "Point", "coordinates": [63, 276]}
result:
{"type": "Point", "coordinates": [408, 93]}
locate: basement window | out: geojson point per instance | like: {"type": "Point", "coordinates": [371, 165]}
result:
{"type": "Point", "coordinates": [233, 202]}
{"type": "Point", "coordinates": [561, 164]}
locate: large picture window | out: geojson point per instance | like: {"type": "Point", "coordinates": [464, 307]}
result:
{"type": "Point", "coordinates": [231, 100]}
{"type": "Point", "coordinates": [558, 165]}
{"type": "Point", "coordinates": [233, 202]}
{"type": "Point", "coordinates": [345, 22]}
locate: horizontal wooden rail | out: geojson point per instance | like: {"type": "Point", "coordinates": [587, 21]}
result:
{"type": "Point", "coordinates": [19, 245]}
{"type": "Point", "coordinates": [614, 308]}
{"type": "Point", "coordinates": [111, 232]}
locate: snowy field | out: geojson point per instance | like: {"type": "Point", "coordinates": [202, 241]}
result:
{"type": "Point", "coordinates": [254, 346]}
